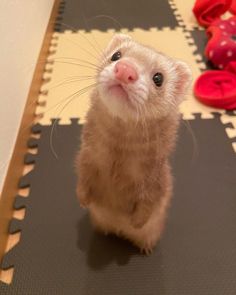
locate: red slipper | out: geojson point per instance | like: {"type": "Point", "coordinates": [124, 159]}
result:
{"type": "Point", "coordinates": [232, 8]}
{"type": "Point", "coordinates": [231, 67]}
{"type": "Point", "coordinates": [217, 88]}
{"type": "Point", "coordinates": [207, 11]}
{"type": "Point", "coordinates": [221, 47]}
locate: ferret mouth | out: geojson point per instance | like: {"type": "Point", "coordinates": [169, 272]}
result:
{"type": "Point", "coordinates": [119, 91]}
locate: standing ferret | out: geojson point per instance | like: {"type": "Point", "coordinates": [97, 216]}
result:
{"type": "Point", "coordinates": [130, 131]}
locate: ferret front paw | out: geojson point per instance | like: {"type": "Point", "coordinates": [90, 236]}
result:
{"type": "Point", "coordinates": [83, 198]}
{"type": "Point", "coordinates": [84, 202]}
{"type": "Point", "coordinates": [137, 222]}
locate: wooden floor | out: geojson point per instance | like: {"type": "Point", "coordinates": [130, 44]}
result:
{"type": "Point", "coordinates": [16, 167]}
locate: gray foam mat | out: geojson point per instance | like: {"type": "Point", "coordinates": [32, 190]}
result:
{"type": "Point", "coordinates": [200, 39]}
{"type": "Point", "coordinates": [59, 253]}
{"type": "Point", "coordinates": [110, 14]}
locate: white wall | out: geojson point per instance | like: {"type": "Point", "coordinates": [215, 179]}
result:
{"type": "Point", "coordinates": [22, 28]}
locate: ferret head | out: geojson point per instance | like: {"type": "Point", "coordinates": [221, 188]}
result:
{"type": "Point", "coordinates": [135, 80]}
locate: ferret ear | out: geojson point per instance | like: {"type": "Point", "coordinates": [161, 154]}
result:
{"type": "Point", "coordinates": [116, 40]}
{"type": "Point", "coordinates": [184, 79]}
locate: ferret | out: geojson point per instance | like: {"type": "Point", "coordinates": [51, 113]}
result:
{"type": "Point", "coordinates": [124, 175]}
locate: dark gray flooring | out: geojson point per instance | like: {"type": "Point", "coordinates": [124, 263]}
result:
{"type": "Point", "coordinates": [59, 253]}
{"type": "Point", "coordinates": [110, 14]}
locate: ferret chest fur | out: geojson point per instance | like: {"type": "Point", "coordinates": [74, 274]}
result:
{"type": "Point", "coordinates": [127, 158]}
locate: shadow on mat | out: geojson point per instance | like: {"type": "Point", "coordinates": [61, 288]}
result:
{"type": "Point", "coordinates": [102, 250]}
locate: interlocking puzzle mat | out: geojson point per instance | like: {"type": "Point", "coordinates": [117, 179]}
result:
{"type": "Point", "coordinates": [58, 252]}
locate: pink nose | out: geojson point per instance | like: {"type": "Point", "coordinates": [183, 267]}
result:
{"type": "Point", "coordinates": [125, 72]}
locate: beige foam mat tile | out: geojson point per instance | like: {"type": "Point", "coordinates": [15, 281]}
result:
{"type": "Point", "coordinates": [183, 12]}
{"type": "Point", "coordinates": [230, 131]}
{"type": "Point", "coordinates": [184, 15]}
{"type": "Point", "coordinates": [75, 49]}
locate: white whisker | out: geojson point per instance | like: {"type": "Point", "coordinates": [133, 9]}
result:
{"type": "Point", "coordinates": [68, 99]}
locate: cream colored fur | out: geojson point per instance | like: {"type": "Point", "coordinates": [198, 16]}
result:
{"type": "Point", "coordinates": [124, 178]}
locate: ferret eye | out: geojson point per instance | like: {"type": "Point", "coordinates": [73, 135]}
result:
{"type": "Point", "coordinates": [158, 79]}
{"type": "Point", "coordinates": [116, 56]}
